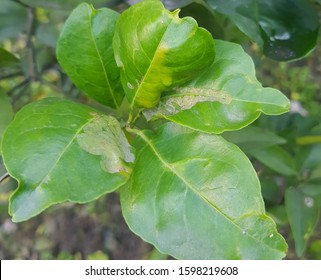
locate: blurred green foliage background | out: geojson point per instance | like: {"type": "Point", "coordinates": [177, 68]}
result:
{"type": "Point", "coordinates": [285, 150]}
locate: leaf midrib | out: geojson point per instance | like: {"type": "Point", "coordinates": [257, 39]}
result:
{"type": "Point", "coordinates": [101, 61]}
{"type": "Point", "coordinates": [150, 65]}
{"type": "Point", "coordinates": [168, 166]}
{"type": "Point", "coordinates": [39, 184]}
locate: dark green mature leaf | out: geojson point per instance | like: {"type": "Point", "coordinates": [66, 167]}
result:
{"type": "Point", "coordinates": [253, 138]}
{"type": "Point", "coordinates": [226, 97]}
{"type": "Point", "coordinates": [84, 51]}
{"type": "Point", "coordinates": [169, 4]}
{"type": "Point", "coordinates": [205, 17]}
{"type": "Point", "coordinates": [63, 151]}
{"type": "Point", "coordinates": [6, 113]}
{"type": "Point", "coordinates": [197, 196]}
{"type": "Point", "coordinates": [303, 213]}
{"type": "Point", "coordinates": [277, 159]}
{"type": "Point", "coordinates": [311, 158]}
{"type": "Point", "coordinates": [59, 4]}
{"type": "Point", "coordinates": [156, 50]}
{"type": "Point", "coordinates": [8, 63]}
{"type": "Point", "coordinates": [13, 19]}
{"type": "Point", "coordinates": [285, 29]}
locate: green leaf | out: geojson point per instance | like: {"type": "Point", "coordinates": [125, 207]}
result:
{"type": "Point", "coordinates": [196, 196]}
{"type": "Point", "coordinates": [8, 63]}
{"type": "Point", "coordinates": [277, 159]}
{"type": "Point", "coordinates": [59, 4]}
{"type": "Point", "coordinates": [253, 138]}
{"type": "Point", "coordinates": [48, 34]}
{"type": "Point", "coordinates": [311, 158]}
{"type": "Point", "coordinates": [47, 149]}
{"type": "Point", "coordinates": [285, 29]}
{"type": "Point", "coordinates": [84, 51]}
{"type": "Point", "coordinates": [6, 113]}
{"type": "Point", "coordinates": [13, 19]}
{"type": "Point", "coordinates": [156, 50]}
{"type": "Point", "coordinates": [226, 97]}
{"type": "Point", "coordinates": [303, 213]}
{"type": "Point", "coordinates": [312, 190]}
{"type": "Point", "coordinates": [205, 17]}
{"type": "Point", "coordinates": [315, 246]}
{"type": "Point", "coordinates": [270, 190]}
{"type": "Point", "coordinates": [169, 4]}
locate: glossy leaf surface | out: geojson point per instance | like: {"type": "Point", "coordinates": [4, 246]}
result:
{"type": "Point", "coordinates": [46, 149]}
{"type": "Point", "coordinates": [156, 50]}
{"type": "Point", "coordinates": [285, 29]}
{"type": "Point", "coordinates": [196, 196]}
{"type": "Point", "coordinates": [226, 97]}
{"type": "Point", "coordinates": [85, 53]}
{"type": "Point", "coordinates": [303, 214]}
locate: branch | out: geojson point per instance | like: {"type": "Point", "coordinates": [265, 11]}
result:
{"type": "Point", "coordinates": [4, 176]}
{"type": "Point", "coordinates": [32, 69]}
{"type": "Point", "coordinates": [19, 2]}
{"type": "Point", "coordinates": [12, 75]}
{"type": "Point", "coordinates": [23, 83]}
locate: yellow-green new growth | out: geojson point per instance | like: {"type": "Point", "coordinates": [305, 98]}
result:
{"type": "Point", "coordinates": [159, 52]}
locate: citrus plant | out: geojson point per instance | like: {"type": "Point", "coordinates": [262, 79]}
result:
{"type": "Point", "coordinates": [164, 91]}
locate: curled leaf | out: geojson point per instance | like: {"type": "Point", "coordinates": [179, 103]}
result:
{"type": "Point", "coordinates": [156, 51]}
{"type": "Point", "coordinates": [226, 97]}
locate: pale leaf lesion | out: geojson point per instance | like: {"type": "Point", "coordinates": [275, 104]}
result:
{"type": "Point", "coordinates": [184, 98]}
{"type": "Point", "coordinates": [104, 137]}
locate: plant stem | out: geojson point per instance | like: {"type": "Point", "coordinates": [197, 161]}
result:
{"type": "Point", "coordinates": [23, 83]}
{"type": "Point", "coordinates": [32, 65]}
{"type": "Point", "coordinates": [4, 176]}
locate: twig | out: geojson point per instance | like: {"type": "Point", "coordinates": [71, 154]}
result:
{"type": "Point", "coordinates": [23, 83]}
{"type": "Point", "coordinates": [4, 176]}
{"type": "Point", "coordinates": [32, 70]}
{"type": "Point", "coordinates": [11, 75]}
{"type": "Point", "coordinates": [19, 2]}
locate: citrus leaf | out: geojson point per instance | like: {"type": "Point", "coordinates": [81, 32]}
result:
{"type": "Point", "coordinates": [156, 50]}
{"type": "Point", "coordinates": [226, 97]}
{"type": "Point", "coordinates": [253, 138]}
{"type": "Point", "coordinates": [8, 63]}
{"type": "Point", "coordinates": [169, 4]}
{"type": "Point", "coordinates": [6, 113]}
{"type": "Point", "coordinates": [277, 159]}
{"type": "Point", "coordinates": [13, 19]}
{"type": "Point", "coordinates": [47, 149]}
{"type": "Point", "coordinates": [196, 196]}
{"type": "Point", "coordinates": [303, 213]}
{"type": "Point", "coordinates": [285, 29]}
{"type": "Point", "coordinates": [84, 51]}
